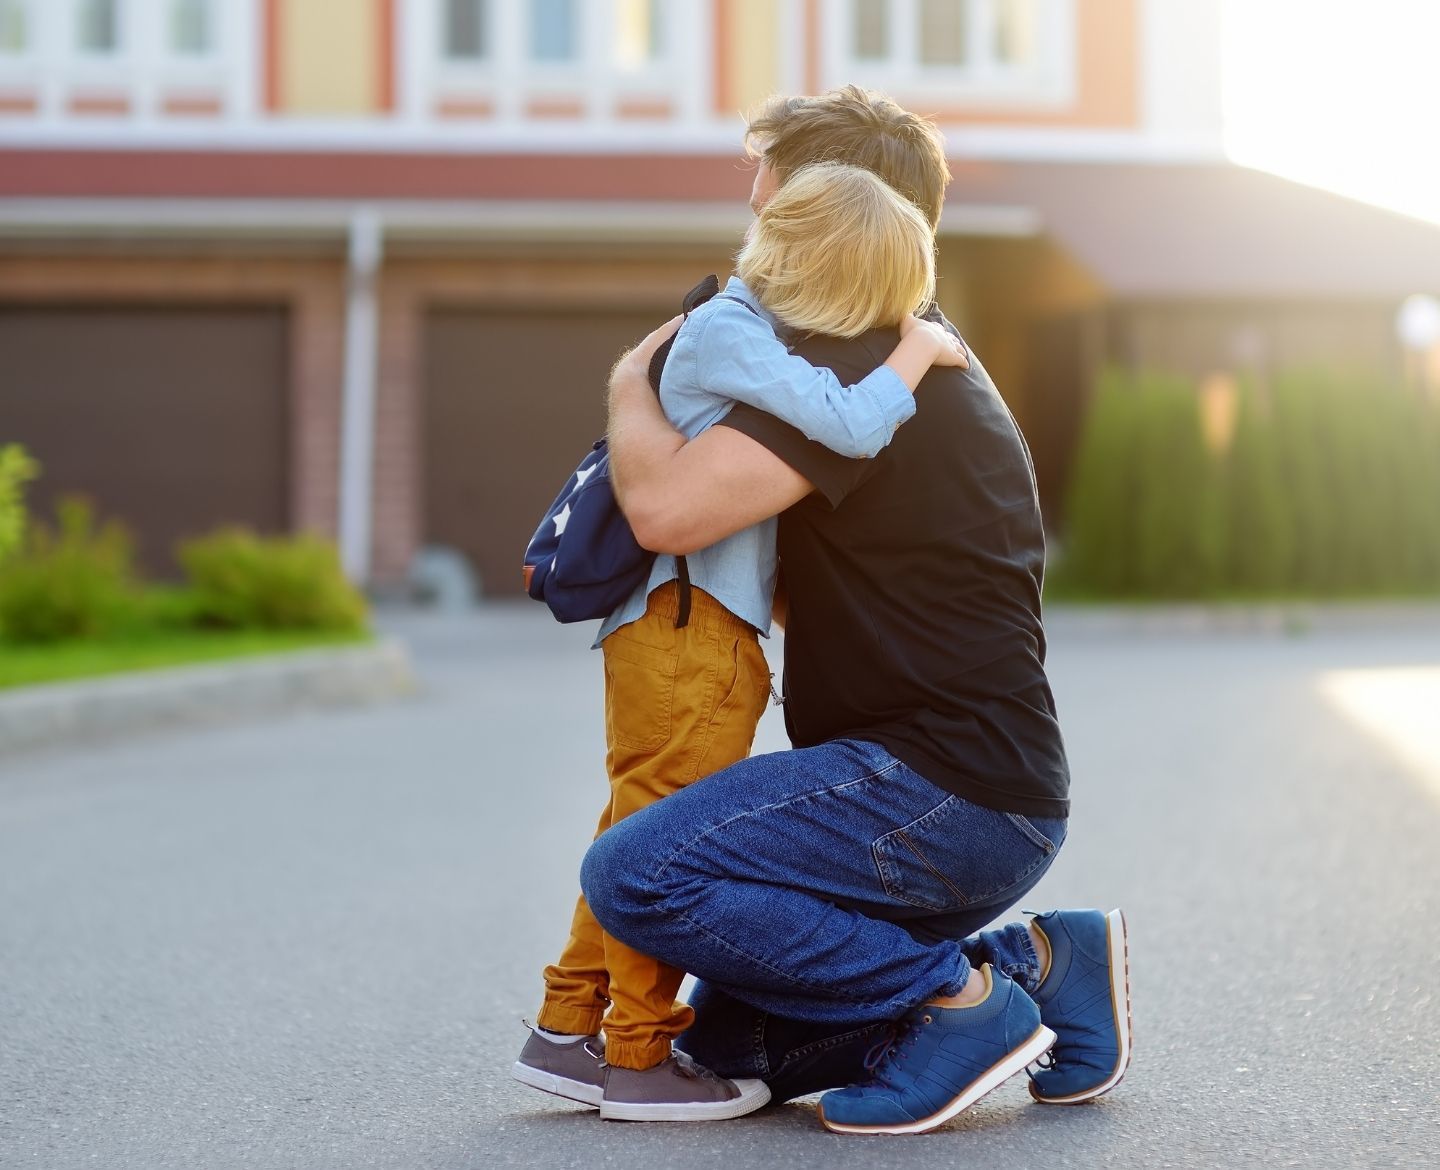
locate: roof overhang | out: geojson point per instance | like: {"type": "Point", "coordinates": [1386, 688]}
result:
{"type": "Point", "coordinates": [1198, 230]}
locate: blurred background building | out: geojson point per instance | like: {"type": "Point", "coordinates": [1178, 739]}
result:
{"type": "Point", "coordinates": [361, 266]}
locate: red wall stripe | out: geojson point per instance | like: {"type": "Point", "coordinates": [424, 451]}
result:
{"type": "Point", "coordinates": [185, 174]}
{"type": "Point", "coordinates": [270, 47]}
{"type": "Point", "coordinates": [386, 78]}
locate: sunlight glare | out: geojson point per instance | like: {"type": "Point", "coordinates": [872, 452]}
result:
{"type": "Point", "coordinates": [1337, 95]}
{"type": "Point", "coordinates": [1397, 707]}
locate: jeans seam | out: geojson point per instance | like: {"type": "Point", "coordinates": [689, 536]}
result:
{"type": "Point", "coordinates": [940, 877]}
{"type": "Point", "coordinates": [693, 841]}
{"type": "Point", "coordinates": [1030, 832]}
{"type": "Point", "coordinates": [880, 1007]}
{"type": "Point", "coordinates": [762, 1056]}
{"type": "Point", "coordinates": [830, 1042]}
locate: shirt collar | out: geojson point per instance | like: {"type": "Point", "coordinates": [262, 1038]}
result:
{"type": "Point", "coordinates": [737, 288]}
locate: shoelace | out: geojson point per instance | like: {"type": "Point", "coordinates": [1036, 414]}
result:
{"type": "Point", "coordinates": [887, 1055]}
{"type": "Point", "coordinates": [688, 1067]}
{"type": "Point", "coordinates": [1044, 1062]}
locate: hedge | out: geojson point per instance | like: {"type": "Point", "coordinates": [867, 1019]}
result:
{"type": "Point", "coordinates": [1326, 487]}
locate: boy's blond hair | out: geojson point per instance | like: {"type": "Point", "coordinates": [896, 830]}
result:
{"type": "Point", "coordinates": [856, 126]}
{"type": "Point", "coordinates": [837, 251]}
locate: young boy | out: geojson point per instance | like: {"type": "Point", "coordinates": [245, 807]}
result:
{"type": "Point", "coordinates": [835, 252]}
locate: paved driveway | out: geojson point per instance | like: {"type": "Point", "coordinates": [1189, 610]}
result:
{"type": "Point", "coordinates": [309, 943]}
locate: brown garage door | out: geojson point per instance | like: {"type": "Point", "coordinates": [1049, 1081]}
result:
{"type": "Point", "coordinates": [171, 419]}
{"type": "Point", "coordinates": [513, 399]}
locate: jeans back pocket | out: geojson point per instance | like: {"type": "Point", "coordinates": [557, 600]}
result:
{"type": "Point", "coordinates": [958, 854]}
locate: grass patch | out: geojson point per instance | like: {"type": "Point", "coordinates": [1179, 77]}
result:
{"type": "Point", "coordinates": [24, 665]}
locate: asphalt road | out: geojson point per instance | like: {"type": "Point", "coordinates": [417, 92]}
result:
{"type": "Point", "coordinates": [309, 943]}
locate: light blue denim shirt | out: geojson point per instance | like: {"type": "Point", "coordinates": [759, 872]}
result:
{"type": "Point", "coordinates": [726, 354]}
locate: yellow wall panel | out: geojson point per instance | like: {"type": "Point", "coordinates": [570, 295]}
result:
{"type": "Point", "coordinates": [755, 51]}
{"type": "Point", "coordinates": [329, 54]}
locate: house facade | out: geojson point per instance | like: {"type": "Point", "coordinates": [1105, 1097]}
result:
{"type": "Point", "coordinates": [361, 266]}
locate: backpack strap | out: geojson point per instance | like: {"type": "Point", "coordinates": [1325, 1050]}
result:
{"type": "Point", "coordinates": [682, 619]}
{"type": "Point", "coordinates": [707, 289]}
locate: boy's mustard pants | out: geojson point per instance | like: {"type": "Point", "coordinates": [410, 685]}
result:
{"type": "Point", "coordinates": [679, 704]}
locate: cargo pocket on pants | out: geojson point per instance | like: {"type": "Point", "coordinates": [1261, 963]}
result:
{"type": "Point", "coordinates": [639, 693]}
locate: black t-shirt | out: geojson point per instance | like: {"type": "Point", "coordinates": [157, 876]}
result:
{"type": "Point", "coordinates": [914, 589]}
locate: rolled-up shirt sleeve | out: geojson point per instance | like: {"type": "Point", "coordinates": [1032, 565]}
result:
{"type": "Point", "coordinates": [738, 356]}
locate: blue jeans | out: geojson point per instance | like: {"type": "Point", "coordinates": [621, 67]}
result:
{"type": "Point", "coordinates": [817, 894]}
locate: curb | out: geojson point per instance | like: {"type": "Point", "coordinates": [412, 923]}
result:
{"type": "Point", "coordinates": [71, 713]}
{"type": "Point", "coordinates": [1277, 620]}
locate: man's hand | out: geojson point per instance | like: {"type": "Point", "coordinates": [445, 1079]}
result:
{"type": "Point", "coordinates": [637, 360]}
{"type": "Point", "coordinates": [681, 497]}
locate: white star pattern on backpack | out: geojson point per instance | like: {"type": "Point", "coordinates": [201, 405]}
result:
{"type": "Point", "coordinates": [561, 518]}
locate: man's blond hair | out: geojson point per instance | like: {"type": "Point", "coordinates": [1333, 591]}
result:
{"type": "Point", "coordinates": [854, 126]}
{"type": "Point", "coordinates": [838, 251]}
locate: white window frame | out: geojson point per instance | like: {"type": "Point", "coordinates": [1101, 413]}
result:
{"type": "Point", "coordinates": [27, 50]}
{"type": "Point", "coordinates": [510, 77]}
{"type": "Point", "coordinates": [986, 81]}
{"type": "Point", "coordinates": [441, 48]}
{"type": "Point", "coordinates": [124, 33]}
{"type": "Point", "coordinates": [215, 26]}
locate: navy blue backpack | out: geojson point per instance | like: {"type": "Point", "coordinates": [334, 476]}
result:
{"type": "Point", "coordinates": [584, 560]}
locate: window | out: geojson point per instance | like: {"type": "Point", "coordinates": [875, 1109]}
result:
{"type": "Point", "coordinates": [942, 32]}
{"type": "Point", "coordinates": [1016, 39]}
{"type": "Point", "coordinates": [961, 49]}
{"type": "Point", "coordinates": [466, 31]}
{"type": "Point", "coordinates": [97, 26]}
{"type": "Point", "coordinates": [14, 27]}
{"type": "Point", "coordinates": [872, 29]}
{"type": "Point", "coordinates": [191, 27]}
{"type": "Point", "coordinates": [639, 32]}
{"type": "Point", "coordinates": [552, 30]}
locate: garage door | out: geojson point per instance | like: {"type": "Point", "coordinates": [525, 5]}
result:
{"type": "Point", "coordinates": [513, 399]}
{"type": "Point", "coordinates": [172, 420]}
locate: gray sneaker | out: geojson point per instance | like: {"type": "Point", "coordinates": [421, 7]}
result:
{"type": "Point", "coordinates": [575, 1071]}
{"type": "Point", "coordinates": [677, 1089]}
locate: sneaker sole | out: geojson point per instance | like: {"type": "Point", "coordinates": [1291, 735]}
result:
{"type": "Point", "coordinates": [753, 1094]}
{"type": "Point", "coordinates": [560, 1086]}
{"type": "Point", "coordinates": [1119, 943]}
{"type": "Point", "coordinates": [992, 1078]}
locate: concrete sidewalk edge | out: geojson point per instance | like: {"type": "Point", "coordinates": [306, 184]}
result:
{"type": "Point", "coordinates": [1280, 618]}
{"type": "Point", "coordinates": [63, 714]}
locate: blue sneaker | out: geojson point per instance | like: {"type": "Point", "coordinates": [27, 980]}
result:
{"type": "Point", "coordinates": [1085, 999]}
{"type": "Point", "coordinates": [938, 1061]}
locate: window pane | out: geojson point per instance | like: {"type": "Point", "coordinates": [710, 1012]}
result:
{"type": "Point", "coordinates": [1015, 31]}
{"type": "Point", "coordinates": [97, 29]}
{"type": "Point", "coordinates": [639, 34]}
{"type": "Point", "coordinates": [872, 30]}
{"type": "Point", "coordinates": [552, 30]}
{"type": "Point", "coordinates": [190, 26]}
{"type": "Point", "coordinates": [942, 32]}
{"type": "Point", "coordinates": [14, 36]}
{"type": "Point", "coordinates": [465, 22]}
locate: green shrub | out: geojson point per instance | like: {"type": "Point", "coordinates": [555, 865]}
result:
{"type": "Point", "coordinates": [242, 581]}
{"type": "Point", "coordinates": [70, 582]}
{"type": "Point", "coordinates": [1179, 537]}
{"type": "Point", "coordinates": [16, 470]}
{"type": "Point", "coordinates": [1146, 507]}
{"type": "Point", "coordinates": [1330, 487]}
{"type": "Point", "coordinates": [1260, 542]}
{"type": "Point", "coordinates": [1100, 552]}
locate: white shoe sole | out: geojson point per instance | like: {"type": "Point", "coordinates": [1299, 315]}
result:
{"type": "Point", "coordinates": [560, 1086]}
{"type": "Point", "coordinates": [995, 1076]}
{"type": "Point", "coordinates": [1119, 943]}
{"type": "Point", "coordinates": [753, 1094]}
